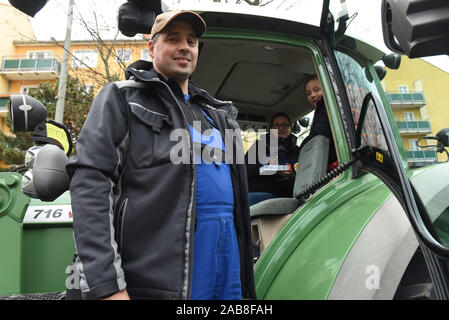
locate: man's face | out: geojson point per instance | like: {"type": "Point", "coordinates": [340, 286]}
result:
{"type": "Point", "coordinates": [175, 51]}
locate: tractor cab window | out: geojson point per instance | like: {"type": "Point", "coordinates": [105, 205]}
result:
{"type": "Point", "coordinates": [358, 82]}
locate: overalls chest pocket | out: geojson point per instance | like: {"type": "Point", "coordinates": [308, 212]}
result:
{"type": "Point", "coordinates": [150, 136]}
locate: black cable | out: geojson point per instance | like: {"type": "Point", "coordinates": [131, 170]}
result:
{"type": "Point", "coordinates": [306, 193]}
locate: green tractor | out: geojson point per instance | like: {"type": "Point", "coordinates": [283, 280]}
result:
{"type": "Point", "coordinates": [371, 228]}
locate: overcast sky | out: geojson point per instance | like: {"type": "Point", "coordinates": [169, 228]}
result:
{"type": "Point", "coordinates": [51, 20]}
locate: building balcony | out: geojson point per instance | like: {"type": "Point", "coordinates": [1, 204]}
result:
{"type": "Point", "coordinates": [24, 68]}
{"type": "Point", "coordinates": [406, 100]}
{"type": "Point", "coordinates": [421, 158]}
{"type": "Point", "coordinates": [4, 102]}
{"type": "Point", "coordinates": [3, 105]}
{"type": "Point", "coordinates": [414, 127]}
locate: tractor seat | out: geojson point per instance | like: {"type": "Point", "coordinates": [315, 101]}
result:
{"type": "Point", "coordinates": [268, 217]}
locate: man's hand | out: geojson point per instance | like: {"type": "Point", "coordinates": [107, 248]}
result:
{"type": "Point", "coordinates": [121, 295]}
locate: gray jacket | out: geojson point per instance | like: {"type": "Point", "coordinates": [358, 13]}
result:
{"type": "Point", "coordinates": [134, 210]}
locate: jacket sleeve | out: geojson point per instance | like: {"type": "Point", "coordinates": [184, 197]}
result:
{"type": "Point", "coordinates": [252, 163]}
{"type": "Point", "coordinates": [94, 175]}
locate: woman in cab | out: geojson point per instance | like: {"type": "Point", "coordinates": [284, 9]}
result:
{"type": "Point", "coordinates": [279, 184]}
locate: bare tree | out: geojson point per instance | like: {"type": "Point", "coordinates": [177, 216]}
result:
{"type": "Point", "coordinates": [107, 40]}
{"type": "Point", "coordinates": [96, 22]}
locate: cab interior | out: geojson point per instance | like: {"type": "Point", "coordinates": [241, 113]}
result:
{"type": "Point", "coordinates": [261, 79]}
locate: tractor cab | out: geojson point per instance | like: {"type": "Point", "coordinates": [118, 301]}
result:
{"type": "Point", "coordinates": [359, 230]}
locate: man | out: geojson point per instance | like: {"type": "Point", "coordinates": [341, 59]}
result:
{"type": "Point", "coordinates": [145, 227]}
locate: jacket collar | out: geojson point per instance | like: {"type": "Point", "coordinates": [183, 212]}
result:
{"type": "Point", "coordinates": [143, 70]}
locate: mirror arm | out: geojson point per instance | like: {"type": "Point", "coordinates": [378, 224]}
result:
{"type": "Point", "coordinates": [439, 146]}
{"type": "Point", "coordinates": [342, 26]}
{"type": "Point", "coordinates": [426, 138]}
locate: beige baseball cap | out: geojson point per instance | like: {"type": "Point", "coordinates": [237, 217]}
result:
{"type": "Point", "coordinates": [164, 19]}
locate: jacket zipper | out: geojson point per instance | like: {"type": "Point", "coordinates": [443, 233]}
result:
{"type": "Point", "coordinates": [187, 270]}
{"type": "Point", "coordinates": [195, 118]}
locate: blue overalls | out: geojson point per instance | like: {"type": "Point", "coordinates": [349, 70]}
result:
{"type": "Point", "coordinates": [216, 259]}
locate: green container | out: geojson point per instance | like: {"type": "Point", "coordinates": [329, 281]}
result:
{"type": "Point", "coordinates": [34, 254]}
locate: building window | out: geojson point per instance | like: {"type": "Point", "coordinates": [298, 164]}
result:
{"type": "Point", "coordinates": [84, 58]}
{"type": "Point", "coordinates": [413, 143]}
{"type": "Point", "coordinates": [145, 55]}
{"type": "Point", "coordinates": [26, 89]}
{"type": "Point", "coordinates": [123, 55]}
{"type": "Point", "coordinates": [39, 54]}
{"type": "Point", "coordinates": [409, 116]}
{"type": "Point", "coordinates": [403, 89]}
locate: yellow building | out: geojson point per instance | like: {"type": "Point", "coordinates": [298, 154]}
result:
{"type": "Point", "coordinates": [14, 25]}
{"type": "Point", "coordinates": [26, 62]}
{"type": "Point", "coordinates": [418, 93]}
{"type": "Point", "coordinates": [88, 62]}
{"type": "Point", "coordinates": [31, 62]}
